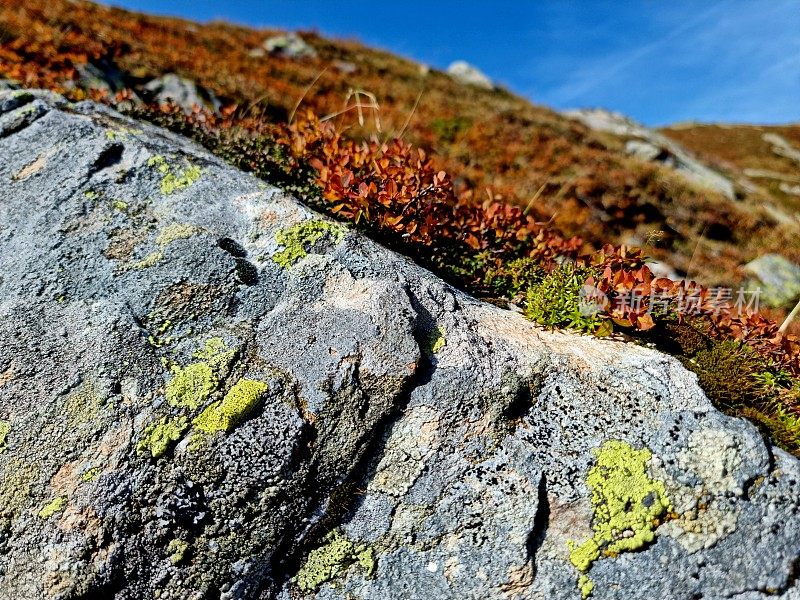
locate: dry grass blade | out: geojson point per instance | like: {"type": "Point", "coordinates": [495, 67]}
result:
{"type": "Point", "coordinates": [305, 93]}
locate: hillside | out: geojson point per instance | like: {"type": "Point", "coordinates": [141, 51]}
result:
{"type": "Point", "coordinates": [493, 143]}
{"type": "Point", "coordinates": [513, 202]}
{"type": "Point", "coordinates": [767, 156]}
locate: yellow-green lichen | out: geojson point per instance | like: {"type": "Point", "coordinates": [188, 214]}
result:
{"type": "Point", "coordinates": [177, 549]}
{"type": "Point", "coordinates": [159, 436]}
{"type": "Point", "coordinates": [225, 414]}
{"type": "Point", "coordinates": [191, 386]}
{"type": "Point", "coordinates": [159, 339]}
{"type": "Point", "coordinates": [169, 234]}
{"type": "Point", "coordinates": [585, 585]}
{"type": "Point", "coordinates": [366, 558]}
{"type": "Point", "coordinates": [215, 354]}
{"type": "Point", "coordinates": [174, 180]}
{"type": "Point", "coordinates": [119, 205]}
{"type": "Point", "coordinates": [435, 341]}
{"type": "Point", "coordinates": [299, 238]}
{"type": "Point", "coordinates": [332, 559]}
{"type": "Point", "coordinates": [627, 506]}
{"type": "Point", "coordinates": [148, 261]}
{"type": "Point", "coordinates": [121, 134]}
{"type": "Point", "coordinates": [5, 429]}
{"type": "Point", "coordinates": [176, 231]}
{"type": "Point", "coordinates": [16, 479]}
{"type": "Point", "coordinates": [91, 474]}
{"type": "Point", "coordinates": [56, 505]}
{"type": "Point", "coordinates": [83, 406]}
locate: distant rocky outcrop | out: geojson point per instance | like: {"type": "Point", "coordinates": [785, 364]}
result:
{"type": "Point", "coordinates": [777, 277]}
{"type": "Point", "coordinates": [288, 45]}
{"type": "Point", "coordinates": [651, 146]}
{"type": "Point", "coordinates": [181, 91]}
{"type": "Point", "coordinates": [466, 73]}
{"type": "Point", "coordinates": [207, 390]}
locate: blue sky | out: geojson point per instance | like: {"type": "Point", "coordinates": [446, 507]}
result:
{"type": "Point", "coordinates": [659, 62]}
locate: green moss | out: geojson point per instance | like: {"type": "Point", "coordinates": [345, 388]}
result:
{"type": "Point", "coordinates": [727, 372]}
{"type": "Point", "coordinates": [191, 386]}
{"type": "Point", "coordinates": [5, 429]}
{"type": "Point", "coordinates": [332, 559]}
{"type": "Point", "coordinates": [627, 506]}
{"type": "Point", "coordinates": [781, 424]}
{"type": "Point", "coordinates": [56, 505]}
{"type": "Point", "coordinates": [174, 180]}
{"type": "Point", "coordinates": [556, 301]}
{"type": "Point", "coordinates": [510, 279]}
{"type": "Point", "coordinates": [298, 239]}
{"type": "Point", "coordinates": [177, 549]}
{"type": "Point", "coordinates": [159, 436]}
{"type": "Point", "coordinates": [240, 401]}
{"type": "Point", "coordinates": [447, 130]}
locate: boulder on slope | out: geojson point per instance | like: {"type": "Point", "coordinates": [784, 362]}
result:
{"type": "Point", "coordinates": [208, 390]}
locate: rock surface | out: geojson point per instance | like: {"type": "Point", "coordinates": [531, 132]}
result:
{"type": "Point", "coordinates": [209, 391]}
{"type": "Point", "coordinates": [469, 74]}
{"type": "Point", "coordinates": [181, 91]}
{"type": "Point", "coordinates": [777, 277]}
{"type": "Point", "coordinates": [651, 146]}
{"type": "Point", "coordinates": [288, 45]}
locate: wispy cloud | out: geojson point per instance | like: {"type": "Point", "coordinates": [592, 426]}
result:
{"type": "Point", "coordinates": [607, 68]}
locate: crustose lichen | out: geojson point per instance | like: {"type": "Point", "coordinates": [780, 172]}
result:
{"type": "Point", "coordinates": [627, 507]}
{"type": "Point", "coordinates": [331, 560]}
{"type": "Point", "coordinates": [299, 238]}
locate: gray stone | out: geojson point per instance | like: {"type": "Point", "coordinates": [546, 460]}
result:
{"type": "Point", "coordinates": [454, 471]}
{"type": "Point", "coordinates": [181, 91]}
{"type": "Point", "coordinates": [289, 45]}
{"type": "Point", "coordinates": [104, 76]}
{"type": "Point", "coordinates": [777, 277]}
{"type": "Point", "coordinates": [344, 66]}
{"type": "Point", "coordinates": [470, 75]}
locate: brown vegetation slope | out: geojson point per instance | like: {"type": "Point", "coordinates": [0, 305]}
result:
{"type": "Point", "coordinates": [492, 142]}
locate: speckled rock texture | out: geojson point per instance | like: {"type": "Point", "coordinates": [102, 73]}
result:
{"type": "Point", "coordinates": [209, 391]}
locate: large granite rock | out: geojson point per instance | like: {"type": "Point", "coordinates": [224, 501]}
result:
{"type": "Point", "coordinates": [209, 391]}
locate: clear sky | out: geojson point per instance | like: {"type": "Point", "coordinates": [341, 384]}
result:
{"type": "Point", "coordinates": [659, 62]}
